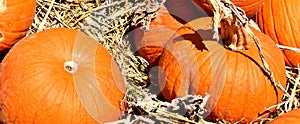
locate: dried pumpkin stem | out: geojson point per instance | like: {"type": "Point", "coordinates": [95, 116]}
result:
{"type": "Point", "coordinates": [70, 66]}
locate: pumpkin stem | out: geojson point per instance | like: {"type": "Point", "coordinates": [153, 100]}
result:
{"type": "Point", "coordinates": [70, 66]}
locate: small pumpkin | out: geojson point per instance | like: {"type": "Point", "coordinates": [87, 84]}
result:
{"type": "Point", "coordinates": [193, 63]}
{"type": "Point", "coordinates": [251, 7]}
{"type": "Point", "coordinates": [60, 75]}
{"type": "Point", "coordinates": [149, 44]}
{"type": "Point", "coordinates": [291, 117]}
{"type": "Point", "coordinates": [16, 17]}
{"type": "Point", "coordinates": [278, 20]}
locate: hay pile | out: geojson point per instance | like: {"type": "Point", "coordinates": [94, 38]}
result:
{"type": "Point", "coordinates": [108, 21]}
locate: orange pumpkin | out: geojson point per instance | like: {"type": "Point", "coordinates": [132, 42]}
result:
{"type": "Point", "coordinates": [193, 63]}
{"type": "Point", "coordinates": [16, 17]}
{"type": "Point", "coordinates": [149, 44]}
{"type": "Point", "coordinates": [251, 7]}
{"type": "Point", "coordinates": [278, 20]}
{"type": "Point", "coordinates": [291, 117]}
{"type": "Point", "coordinates": [60, 76]}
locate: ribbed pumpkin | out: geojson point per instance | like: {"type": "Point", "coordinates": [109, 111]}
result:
{"type": "Point", "coordinates": [149, 44]}
{"type": "Point", "coordinates": [192, 63]}
{"type": "Point", "coordinates": [251, 7]}
{"type": "Point", "coordinates": [278, 20]}
{"type": "Point", "coordinates": [60, 75]}
{"type": "Point", "coordinates": [291, 117]}
{"type": "Point", "coordinates": [16, 17]}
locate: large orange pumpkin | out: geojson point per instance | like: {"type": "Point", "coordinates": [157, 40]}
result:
{"type": "Point", "coordinates": [278, 20]}
{"type": "Point", "coordinates": [291, 117]}
{"type": "Point", "coordinates": [193, 63]}
{"type": "Point", "coordinates": [60, 76]}
{"type": "Point", "coordinates": [149, 44]}
{"type": "Point", "coordinates": [251, 7]}
{"type": "Point", "coordinates": [16, 17]}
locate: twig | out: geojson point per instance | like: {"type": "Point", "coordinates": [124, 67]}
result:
{"type": "Point", "coordinates": [289, 48]}
{"type": "Point", "coordinates": [41, 26]}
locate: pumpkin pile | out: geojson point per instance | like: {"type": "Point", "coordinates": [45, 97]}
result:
{"type": "Point", "coordinates": [192, 63]}
{"type": "Point", "coordinates": [63, 75]}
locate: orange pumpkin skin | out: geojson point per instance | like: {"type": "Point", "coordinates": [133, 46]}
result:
{"type": "Point", "coordinates": [291, 117]}
{"type": "Point", "coordinates": [277, 19]}
{"type": "Point", "coordinates": [35, 88]}
{"type": "Point", "coordinates": [251, 7]}
{"type": "Point", "coordinates": [149, 44]}
{"type": "Point", "coordinates": [16, 17]}
{"type": "Point", "coordinates": [187, 68]}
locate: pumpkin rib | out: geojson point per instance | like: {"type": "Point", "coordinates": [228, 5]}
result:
{"type": "Point", "coordinates": [167, 65]}
{"type": "Point", "coordinates": [233, 84]}
{"type": "Point", "coordinates": [232, 79]}
{"type": "Point", "coordinates": [171, 85]}
{"type": "Point", "coordinates": [200, 65]}
{"type": "Point", "coordinates": [270, 63]}
{"type": "Point", "coordinates": [210, 69]}
{"type": "Point", "coordinates": [255, 76]}
{"type": "Point", "coordinates": [286, 8]}
{"type": "Point", "coordinates": [176, 85]}
{"type": "Point", "coordinates": [288, 23]}
{"type": "Point", "coordinates": [274, 28]}
{"type": "Point", "coordinates": [181, 86]}
{"type": "Point", "coordinates": [192, 78]}
{"type": "Point", "coordinates": [247, 96]}
{"type": "Point", "coordinates": [43, 88]}
{"type": "Point", "coordinates": [274, 37]}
